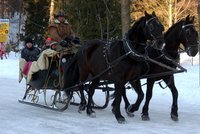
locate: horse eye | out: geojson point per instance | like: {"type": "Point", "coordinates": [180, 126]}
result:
{"type": "Point", "coordinates": [188, 32]}
{"type": "Point", "coordinates": [151, 27]}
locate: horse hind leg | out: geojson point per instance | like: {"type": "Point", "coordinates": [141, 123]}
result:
{"type": "Point", "coordinates": [83, 77]}
{"type": "Point", "coordinates": [83, 102]}
{"type": "Point", "coordinates": [91, 90]}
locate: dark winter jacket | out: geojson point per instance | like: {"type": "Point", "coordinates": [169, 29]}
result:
{"type": "Point", "coordinates": [30, 54]}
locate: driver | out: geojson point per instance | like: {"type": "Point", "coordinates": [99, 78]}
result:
{"type": "Point", "coordinates": [60, 29]}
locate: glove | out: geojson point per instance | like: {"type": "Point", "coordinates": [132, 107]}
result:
{"type": "Point", "coordinates": [64, 43]}
{"type": "Point", "coordinates": [76, 40]}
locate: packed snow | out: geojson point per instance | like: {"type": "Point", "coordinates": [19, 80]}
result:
{"type": "Point", "coordinates": [17, 118]}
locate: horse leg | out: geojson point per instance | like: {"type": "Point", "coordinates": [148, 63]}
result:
{"type": "Point", "coordinates": [83, 76]}
{"type": "Point", "coordinates": [92, 87]}
{"type": "Point", "coordinates": [127, 104]}
{"type": "Point", "coordinates": [125, 101]}
{"type": "Point", "coordinates": [174, 110]}
{"type": "Point", "coordinates": [138, 89]}
{"type": "Point", "coordinates": [145, 114]}
{"type": "Point", "coordinates": [83, 102]}
{"type": "Point", "coordinates": [119, 87]}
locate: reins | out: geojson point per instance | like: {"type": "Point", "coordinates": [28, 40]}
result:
{"type": "Point", "coordinates": [112, 64]}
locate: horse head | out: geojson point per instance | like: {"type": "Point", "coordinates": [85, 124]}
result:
{"type": "Point", "coordinates": [147, 30]}
{"type": "Point", "coordinates": [189, 36]}
{"type": "Point", "coordinates": [153, 31]}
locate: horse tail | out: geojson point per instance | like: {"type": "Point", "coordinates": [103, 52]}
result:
{"type": "Point", "coordinates": [71, 73]}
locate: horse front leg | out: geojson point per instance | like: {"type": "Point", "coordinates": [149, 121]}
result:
{"type": "Point", "coordinates": [119, 87]}
{"type": "Point", "coordinates": [145, 113]}
{"type": "Point", "coordinates": [174, 91]}
{"type": "Point", "coordinates": [138, 89]}
{"type": "Point", "coordinates": [125, 101]}
{"type": "Point", "coordinates": [91, 90]}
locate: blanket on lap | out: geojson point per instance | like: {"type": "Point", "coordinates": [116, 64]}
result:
{"type": "Point", "coordinates": [41, 64]}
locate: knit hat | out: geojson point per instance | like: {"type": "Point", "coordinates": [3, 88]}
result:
{"type": "Point", "coordinates": [28, 40]}
{"type": "Point", "coordinates": [60, 14]}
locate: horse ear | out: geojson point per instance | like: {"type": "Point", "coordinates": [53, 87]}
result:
{"type": "Point", "coordinates": [192, 19]}
{"type": "Point", "coordinates": [187, 18]}
{"type": "Point", "coordinates": [146, 14]}
{"type": "Point", "coordinates": [153, 13]}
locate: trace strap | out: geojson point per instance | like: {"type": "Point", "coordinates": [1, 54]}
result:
{"type": "Point", "coordinates": [112, 64]}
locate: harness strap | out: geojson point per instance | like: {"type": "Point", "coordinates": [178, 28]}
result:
{"type": "Point", "coordinates": [107, 55]}
{"type": "Point", "coordinates": [112, 64]}
{"type": "Point", "coordinates": [133, 53]}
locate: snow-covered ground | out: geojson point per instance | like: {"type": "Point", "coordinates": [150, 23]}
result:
{"type": "Point", "coordinates": [17, 118]}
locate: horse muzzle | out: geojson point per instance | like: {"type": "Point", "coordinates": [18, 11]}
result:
{"type": "Point", "coordinates": [192, 51]}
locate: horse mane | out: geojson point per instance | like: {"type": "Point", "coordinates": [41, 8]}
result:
{"type": "Point", "coordinates": [173, 26]}
{"type": "Point", "coordinates": [135, 27]}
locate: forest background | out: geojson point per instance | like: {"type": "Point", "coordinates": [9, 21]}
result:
{"type": "Point", "coordinates": [102, 19]}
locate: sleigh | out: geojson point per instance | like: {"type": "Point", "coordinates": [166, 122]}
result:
{"type": "Point", "coordinates": [44, 88]}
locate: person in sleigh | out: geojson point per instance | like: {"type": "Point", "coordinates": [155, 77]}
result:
{"type": "Point", "coordinates": [29, 54]}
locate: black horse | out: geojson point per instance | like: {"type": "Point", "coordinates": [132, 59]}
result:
{"type": "Point", "coordinates": [183, 32]}
{"type": "Point", "coordinates": [118, 61]}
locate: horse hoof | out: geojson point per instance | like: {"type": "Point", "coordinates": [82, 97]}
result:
{"type": "Point", "coordinates": [79, 111]}
{"type": "Point", "coordinates": [128, 110]}
{"type": "Point", "coordinates": [113, 110]}
{"type": "Point", "coordinates": [130, 114]}
{"type": "Point", "coordinates": [145, 118]}
{"type": "Point", "coordinates": [174, 117]}
{"type": "Point", "coordinates": [92, 115]}
{"type": "Point", "coordinates": [82, 108]}
{"type": "Point", "coordinates": [121, 120]}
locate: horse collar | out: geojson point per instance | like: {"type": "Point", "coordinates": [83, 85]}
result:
{"type": "Point", "coordinates": [131, 51]}
{"type": "Point", "coordinates": [170, 58]}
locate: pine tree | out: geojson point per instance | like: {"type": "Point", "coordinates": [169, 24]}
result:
{"type": "Point", "coordinates": [95, 18]}
{"type": "Point", "coordinates": [37, 20]}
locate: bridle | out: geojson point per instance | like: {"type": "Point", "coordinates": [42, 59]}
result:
{"type": "Point", "coordinates": [185, 36]}
{"type": "Point", "coordinates": [153, 42]}
{"type": "Point", "coordinates": [127, 43]}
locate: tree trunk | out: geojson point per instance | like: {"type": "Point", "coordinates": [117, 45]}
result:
{"type": "Point", "coordinates": [170, 14]}
{"type": "Point", "coordinates": [125, 15]}
{"type": "Point", "coordinates": [51, 11]}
